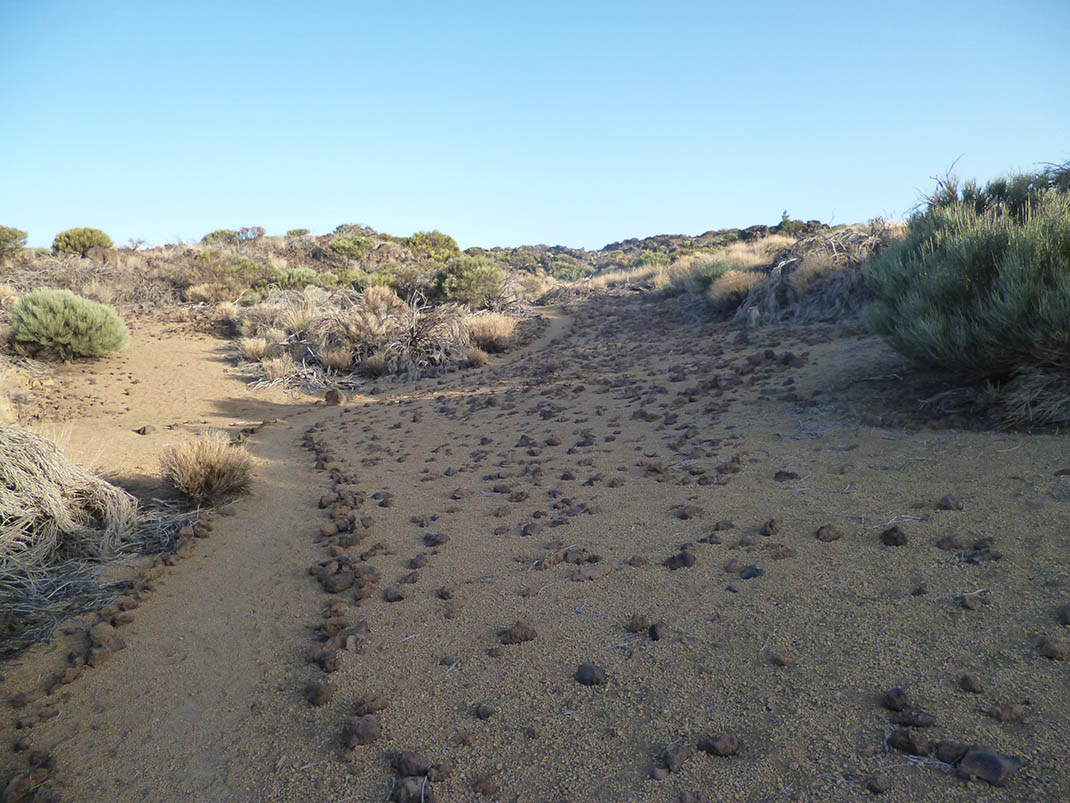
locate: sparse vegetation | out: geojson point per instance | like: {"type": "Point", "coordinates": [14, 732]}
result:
{"type": "Point", "coordinates": [60, 324]}
{"type": "Point", "coordinates": [297, 233]}
{"type": "Point", "coordinates": [79, 241]}
{"type": "Point", "coordinates": [434, 246]}
{"type": "Point", "coordinates": [207, 470]}
{"type": "Point", "coordinates": [12, 241]}
{"type": "Point", "coordinates": [980, 288]}
{"type": "Point", "coordinates": [491, 331]}
{"type": "Point", "coordinates": [476, 281]}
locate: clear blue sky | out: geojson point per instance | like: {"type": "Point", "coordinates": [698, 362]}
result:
{"type": "Point", "coordinates": [504, 123]}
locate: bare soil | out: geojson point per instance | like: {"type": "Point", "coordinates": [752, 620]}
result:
{"type": "Point", "coordinates": [564, 475]}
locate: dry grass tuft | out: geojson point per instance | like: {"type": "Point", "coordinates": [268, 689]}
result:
{"type": "Point", "coordinates": [51, 509]}
{"type": "Point", "coordinates": [254, 349]}
{"type": "Point", "coordinates": [375, 364]}
{"type": "Point", "coordinates": [477, 358]}
{"type": "Point", "coordinates": [729, 291]}
{"type": "Point", "coordinates": [280, 367]}
{"type": "Point", "coordinates": [9, 297]}
{"type": "Point", "coordinates": [491, 331]}
{"type": "Point", "coordinates": [336, 358]}
{"type": "Point", "coordinates": [757, 252]}
{"type": "Point", "coordinates": [1035, 397]}
{"type": "Point", "coordinates": [208, 469]}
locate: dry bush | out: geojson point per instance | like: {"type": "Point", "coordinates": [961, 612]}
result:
{"type": "Point", "coordinates": [1038, 396]}
{"type": "Point", "coordinates": [814, 265]}
{"type": "Point", "coordinates": [228, 311]}
{"type": "Point", "coordinates": [491, 331]}
{"type": "Point", "coordinates": [277, 368]}
{"type": "Point", "coordinates": [336, 358]}
{"type": "Point", "coordinates": [208, 293]}
{"type": "Point", "coordinates": [729, 291]}
{"type": "Point", "coordinates": [9, 297]}
{"type": "Point", "coordinates": [51, 509]}
{"type": "Point", "coordinates": [477, 358]}
{"type": "Point", "coordinates": [254, 349]}
{"type": "Point", "coordinates": [208, 469]}
{"type": "Point", "coordinates": [757, 252]}
{"type": "Point", "coordinates": [375, 364]}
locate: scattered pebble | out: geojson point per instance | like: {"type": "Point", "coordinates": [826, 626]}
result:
{"type": "Point", "coordinates": [590, 675]}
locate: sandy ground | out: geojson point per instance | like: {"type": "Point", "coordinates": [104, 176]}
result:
{"type": "Point", "coordinates": [626, 432]}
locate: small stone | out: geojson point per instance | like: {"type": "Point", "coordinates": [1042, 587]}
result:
{"type": "Point", "coordinates": [907, 741]}
{"type": "Point", "coordinates": [949, 503]}
{"type": "Point", "coordinates": [362, 730]}
{"type": "Point", "coordinates": [101, 634]}
{"type": "Point", "coordinates": [1007, 712]}
{"type": "Point", "coordinates": [949, 543]}
{"type": "Point", "coordinates": [785, 476]}
{"type": "Point", "coordinates": [638, 561]}
{"type": "Point", "coordinates": [319, 694]}
{"type": "Point", "coordinates": [950, 752]}
{"type": "Point", "coordinates": [972, 602]}
{"type": "Point", "coordinates": [681, 560]}
{"type": "Point", "coordinates": [147, 429]}
{"type": "Point", "coordinates": [408, 763]}
{"type": "Point", "coordinates": [590, 675]}
{"type": "Point", "coordinates": [487, 786]}
{"type": "Point", "coordinates": [771, 527]}
{"type": "Point", "coordinates": [414, 789]}
{"type": "Point", "coordinates": [393, 594]}
{"type": "Point", "coordinates": [750, 572]}
{"type": "Point", "coordinates": [334, 397]}
{"type": "Point", "coordinates": [659, 773]}
{"type": "Point", "coordinates": [781, 659]}
{"type": "Point", "coordinates": [1056, 650]}
{"type": "Point", "coordinates": [735, 566]}
{"type": "Point", "coordinates": [370, 704]}
{"type": "Point", "coordinates": [518, 634]}
{"type": "Point", "coordinates": [971, 683]}
{"type": "Point", "coordinates": [484, 711]}
{"type": "Point", "coordinates": [637, 624]}
{"type": "Point", "coordinates": [1062, 614]}
{"type": "Point", "coordinates": [893, 536]}
{"type": "Point", "coordinates": [829, 532]}
{"type": "Point", "coordinates": [674, 756]}
{"type": "Point", "coordinates": [914, 719]}
{"type": "Point", "coordinates": [723, 745]}
{"type": "Point", "coordinates": [658, 631]}
{"type": "Point", "coordinates": [988, 766]}
{"type": "Point", "coordinates": [895, 699]}
{"type": "Point", "coordinates": [878, 784]}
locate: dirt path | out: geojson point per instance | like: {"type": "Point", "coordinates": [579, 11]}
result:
{"type": "Point", "coordinates": [550, 488]}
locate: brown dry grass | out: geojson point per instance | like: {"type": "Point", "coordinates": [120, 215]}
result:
{"type": "Point", "coordinates": [757, 252]}
{"type": "Point", "coordinates": [254, 349]}
{"type": "Point", "coordinates": [728, 292]}
{"type": "Point", "coordinates": [336, 358]}
{"type": "Point", "coordinates": [208, 469]}
{"type": "Point", "coordinates": [491, 331]}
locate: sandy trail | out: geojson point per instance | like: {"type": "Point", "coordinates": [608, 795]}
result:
{"type": "Point", "coordinates": [621, 436]}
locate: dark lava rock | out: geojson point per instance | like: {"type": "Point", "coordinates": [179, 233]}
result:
{"type": "Point", "coordinates": [723, 525]}
{"type": "Point", "coordinates": [362, 730]}
{"type": "Point", "coordinates": [590, 675]}
{"type": "Point", "coordinates": [484, 711]}
{"type": "Point", "coordinates": [680, 560]}
{"type": "Point", "coordinates": [408, 763]}
{"type": "Point", "coordinates": [532, 528]}
{"type": "Point", "coordinates": [785, 476]}
{"type": "Point", "coordinates": [435, 539]}
{"type": "Point", "coordinates": [949, 503]}
{"type": "Point", "coordinates": [949, 543]}
{"type": "Point", "coordinates": [735, 566]}
{"type": "Point", "coordinates": [771, 527]}
{"type": "Point", "coordinates": [658, 631]}
{"type": "Point", "coordinates": [914, 719]}
{"type": "Point", "coordinates": [1056, 650]}
{"type": "Point", "coordinates": [518, 634]}
{"type": "Point", "coordinates": [987, 765]}
{"type": "Point", "coordinates": [1007, 712]}
{"type": "Point", "coordinates": [971, 683]}
{"type": "Point", "coordinates": [878, 784]}
{"type": "Point", "coordinates": [1062, 614]}
{"type": "Point", "coordinates": [893, 536]}
{"type": "Point", "coordinates": [414, 789]}
{"type": "Point", "coordinates": [674, 756]}
{"type": "Point", "coordinates": [370, 704]}
{"type": "Point", "coordinates": [750, 572]}
{"type": "Point", "coordinates": [829, 532]}
{"type": "Point", "coordinates": [907, 741]}
{"type": "Point", "coordinates": [724, 745]}
{"type": "Point", "coordinates": [895, 699]}
{"type": "Point", "coordinates": [319, 693]}
{"type": "Point", "coordinates": [950, 752]}
{"type": "Point", "coordinates": [393, 594]}
{"type": "Point", "coordinates": [637, 624]}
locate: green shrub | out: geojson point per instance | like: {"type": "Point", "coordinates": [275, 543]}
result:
{"type": "Point", "coordinates": [220, 237]}
{"type": "Point", "coordinates": [299, 278]}
{"type": "Point", "coordinates": [12, 241]}
{"type": "Point", "coordinates": [706, 273]}
{"type": "Point", "coordinates": [61, 324]}
{"type": "Point", "coordinates": [351, 246]}
{"type": "Point", "coordinates": [79, 241]}
{"type": "Point", "coordinates": [297, 233]}
{"type": "Point", "coordinates": [789, 227]}
{"type": "Point", "coordinates": [980, 286]}
{"type": "Point", "coordinates": [475, 281]}
{"type": "Point", "coordinates": [433, 245]}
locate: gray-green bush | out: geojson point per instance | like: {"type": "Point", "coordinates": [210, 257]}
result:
{"type": "Point", "coordinates": [475, 281]}
{"type": "Point", "coordinates": [58, 323]}
{"type": "Point", "coordinates": [12, 241]}
{"type": "Point", "coordinates": [980, 286]}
